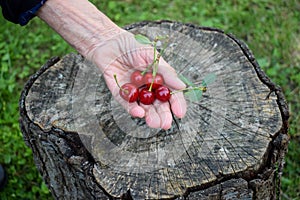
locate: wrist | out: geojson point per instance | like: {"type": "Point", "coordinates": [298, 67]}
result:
{"type": "Point", "coordinates": [79, 22]}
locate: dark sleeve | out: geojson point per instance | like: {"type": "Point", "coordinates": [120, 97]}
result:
{"type": "Point", "coordinates": [20, 11]}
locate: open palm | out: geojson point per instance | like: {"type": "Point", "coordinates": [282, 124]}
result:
{"type": "Point", "coordinates": [121, 56]}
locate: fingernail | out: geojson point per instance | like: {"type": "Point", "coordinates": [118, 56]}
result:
{"type": "Point", "coordinates": [137, 112]}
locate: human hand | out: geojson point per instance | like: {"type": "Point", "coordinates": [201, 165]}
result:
{"type": "Point", "coordinates": [120, 55]}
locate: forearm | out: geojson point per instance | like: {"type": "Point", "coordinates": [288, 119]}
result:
{"type": "Point", "coordinates": [79, 22]}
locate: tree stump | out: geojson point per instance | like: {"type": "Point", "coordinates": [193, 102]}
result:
{"type": "Point", "coordinates": [230, 144]}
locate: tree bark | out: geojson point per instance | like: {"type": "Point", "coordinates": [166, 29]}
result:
{"type": "Point", "coordinates": [230, 145]}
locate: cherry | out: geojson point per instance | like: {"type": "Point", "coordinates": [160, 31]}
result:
{"type": "Point", "coordinates": [136, 78]}
{"type": "Point", "coordinates": [163, 93]}
{"type": "Point", "coordinates": [129, 92]}
{"type": "Point", "coordinates": [158, 80]}
{"type": "Point", "coordinates": [146, 97]}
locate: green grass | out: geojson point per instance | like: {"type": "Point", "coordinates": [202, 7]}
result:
{"type": "Point", "coordinates": [269, 27]}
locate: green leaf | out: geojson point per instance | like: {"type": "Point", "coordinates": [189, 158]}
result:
{"type": "Point", "coordinates": [194, 95]}
{"type": "Point", "coordinates": [208, 79]}
{"type": "Point", "coordinates": [186, 80]}
{"type": "Point", "coordinates": [142, 39]}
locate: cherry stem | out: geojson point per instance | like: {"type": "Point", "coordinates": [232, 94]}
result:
{"type": "Point", "coordinates": [115, 77]}
{"type": "Point", "coordinates": [165, 45]}
{"type": "Point", "coordinates": [148, 67]}
{"type": "Point", "coordinates": [190, 88]}
{"type": "Point", "coordinates": [150, 88]}
{"type": "Point", "coordinates": [155, 62]}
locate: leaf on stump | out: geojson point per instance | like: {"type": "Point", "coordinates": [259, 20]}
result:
{"type": "Point", "coordinates": [194, 95]}
{"type": "Point", "coordinates": [208, 79]}
{"type": "Point", "coordinates": [186, 80]}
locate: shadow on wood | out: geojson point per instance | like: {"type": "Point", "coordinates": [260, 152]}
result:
{"type": "Point", "coordinates": [230, 144]}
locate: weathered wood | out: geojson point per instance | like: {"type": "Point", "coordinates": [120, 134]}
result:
{"type": "Point", "coordinates": [230, 145]}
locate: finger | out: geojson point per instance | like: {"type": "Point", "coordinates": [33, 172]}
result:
{"type": "Point", "coordinates": [137, 111]}
{"type": "Point", "coordinates": [178, 104]}
{"type": "Point", "coordinates": [132, 108]}
{"type": "Point", "coordinates": [170, 75]}
{"type": "Point", "coordinates": [151, 116]}
{"type": "Point", "coordinates": [163, 108]}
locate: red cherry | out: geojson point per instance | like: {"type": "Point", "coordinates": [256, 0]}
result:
{"type": "Point", "coordinates": [129, 92]}
{"type": "Point", "coordinates": [136, 78]}
{"type": "Point", "coordinates": [163, 93]}
{"type": "Point", "coordinates": [146, 97]}
{"type": "Point", "coordinates": [158, 80]}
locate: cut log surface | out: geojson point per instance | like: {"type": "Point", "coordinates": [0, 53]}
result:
{"type": "Point", "coordinates": [228, 145]}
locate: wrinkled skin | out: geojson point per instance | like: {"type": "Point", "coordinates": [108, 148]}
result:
{"type": "Point", "coordinates": [130, 56]}
{"type": "Point", "coordinates": [114, 51]}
